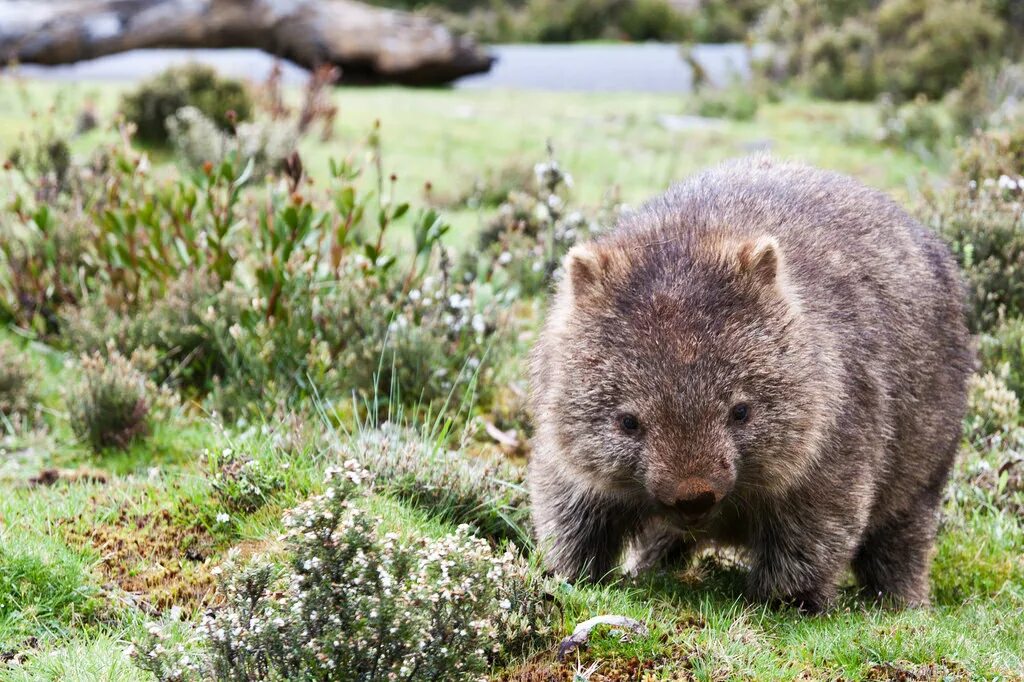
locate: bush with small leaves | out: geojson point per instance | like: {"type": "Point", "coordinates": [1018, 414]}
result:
{"type": "Point", "coordinates": [858, 50]}
{"type": "Point", "coordinates": [109, 407]}
{"type": "Point", "coordinates": [241, 483]}
{"type": "Point", "coordinates": [1002, 351]}
{"type": "Point", "coordinates": [522, 248]}
{"type": "Point", "coordinates": [487, 493]}
{"type": "Point", "coordinates": [198, 140]}
{"type": "Point", "coordinates": [362, 604]}
{"type": "Point", "coordinates": [992, 406]}
{"type": "Point", "coordinates": [222, 100]}
{"type": "Point", "coordinates": [990, 97]}
{"type": "Point", "coordinates": [17, 385]}
{"type": "Point", "coordinates": [981, 219]}
{"type": "Point", "coordinates": [916, 126]}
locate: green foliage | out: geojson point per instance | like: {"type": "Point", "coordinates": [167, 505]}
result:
{"type": "Point", "coordinates": [1002, 351]}
{"type": "Point", "coordinates": [198, 140]}
{"type": "Point", "coordinates": [735, 102]}
{"type": "Point", "coordinates": [916, 126]}
{"type": "Point", "coordinates": [358, 603]}
{"type": "Point", "coordinates": [241, 483]}
{"type": "Point", "coordinates": [224, 101]}
{"type": "Point", "coordinates": [522, 248]}
{"type": "Point", "coordinates": [904, 47]}
{"type": "Point", "coordinates": [109, 407]}
{"type": "Point", "coordinates": [17, 384]}
{"type": "Point", "coordinates": [39, 581]}
{"type": "Point", "coordinates": [487, 493]}
{"type": "Point", "coordinates": [981, 220]}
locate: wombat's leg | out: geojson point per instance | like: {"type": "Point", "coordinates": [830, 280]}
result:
{"type": "Point", "coordinates": [892, 563]}
{"type": "Point", "coordinates": [799, 560]}
{"type": "Point", "coordinates": [658, 543]}
{"type": "Point", "coordinates": [580, 532]}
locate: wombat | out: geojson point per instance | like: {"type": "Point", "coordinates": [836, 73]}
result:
{"type": "Point", "coordinates": [769, 357]}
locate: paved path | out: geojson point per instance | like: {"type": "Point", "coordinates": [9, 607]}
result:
{"type": "Point", "coordinates": [643, 67]}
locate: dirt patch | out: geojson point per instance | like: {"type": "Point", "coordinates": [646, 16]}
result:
{"type": "Point", "coordinates": [49, 477]}
{"type": "Point", "coordinates": [902, 671]}
{"type": "Point", "coordinates": [155, 557]}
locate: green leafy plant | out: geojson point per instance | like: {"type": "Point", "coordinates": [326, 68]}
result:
{"type": "Point", "coordinates": [224, 101]}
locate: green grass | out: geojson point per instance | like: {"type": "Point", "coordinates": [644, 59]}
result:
{"type": "Point", "coordinates": [63, 616]}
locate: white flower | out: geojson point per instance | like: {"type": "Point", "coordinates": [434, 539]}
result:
{"type": "Point", "coordinates": [223, 518]}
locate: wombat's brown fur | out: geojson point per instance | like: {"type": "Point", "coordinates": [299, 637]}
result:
{"type": "Point", "coordinates": [768, 356]}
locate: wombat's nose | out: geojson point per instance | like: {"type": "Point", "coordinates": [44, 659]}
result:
{"type": "Point", "coordinates": [694, 497]}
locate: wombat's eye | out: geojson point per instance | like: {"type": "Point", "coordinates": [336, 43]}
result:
{"type": "Point", "coordinates": [629, 423]}
{"type": "Point", "coordinates": [740, 413]}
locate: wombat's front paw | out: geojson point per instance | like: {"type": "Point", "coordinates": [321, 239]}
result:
{"type": "Point", "coordinates": [659, 544]}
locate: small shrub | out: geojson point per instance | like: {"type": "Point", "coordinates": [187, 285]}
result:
{"type": "Point", "coordinates": [109, 406]}
{"type": "Point", "coordinates": [522, 248]}
{"type": "Point", "coordinates": [980, 218]}
{"type": "Point", "coordinates": [842, 61]}
{"type": "Point", "coordinates": [1002, 352]}
{"type": "Point", "coordinates": [198, 141]}
{"type": "Point", "coordinates": [487, 493]}
{"type": "Point", "coordinates": [992, 406]}
{"type": "Point", "coordinates": [358, 603]}
{"type": "Point", "coordinates": [222, 100]}
{"type": "Point", "coordinates": [916, 126]}
{"type": "Point", "coordinates": [736, 102]}
{"type": "Point", "coordinates": [17, 384]}
{"type": "Point", "coordinates": [988, 98]}
{"type": "Point", "coordinates": [241, 483]}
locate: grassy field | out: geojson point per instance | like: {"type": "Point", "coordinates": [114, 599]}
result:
{"type": "Point", "coordinates": [95, 546]}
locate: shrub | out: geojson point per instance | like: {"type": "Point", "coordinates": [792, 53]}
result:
{"type": "Point", "coordinates": [358, 603]}
{"type": "Point", "coordinates": [904, 47]}
{"type": "Point", "coordinates": [241, 483]}
{"type": "Point", "coordinates": [487, 493]}
{"type": "Point", "coordinates": [988, 98]}
{"type": "Point", "coordinates": [17, 384]}
{"type": "Point", "coordinates": [198, 141]}
{"type": "Point", "coordinates": [522, 248]}
{"type": "Point", "coordinates": [916, 126]}
{"type": "Point", "coordinates": [224, 101]}
{"type": "Point", "coordinates": [1002, 352]}
{"type": "Point", "coordinates": [736, 102]}
{"type": "Point", "coordinates": [980, 218]}
{"type": "Point", "coordinates": [40, 255]}
{"type": "Point", "coordinates": [109, 406]}
{"type": "Point", "coordinates": [992, 406]}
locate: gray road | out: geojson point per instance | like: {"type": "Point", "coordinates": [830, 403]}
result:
{"type": "Point", "coordinates": [645, 67]}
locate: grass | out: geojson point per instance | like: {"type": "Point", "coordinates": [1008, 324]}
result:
{"type": "Point", "coordinates": [86, 561]}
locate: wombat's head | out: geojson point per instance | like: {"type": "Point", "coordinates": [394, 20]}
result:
{"type": "Point", "coordinates": [677, 373]}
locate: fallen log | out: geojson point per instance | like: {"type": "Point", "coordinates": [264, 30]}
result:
{"type": "Point", "coordinates": [369, 44]}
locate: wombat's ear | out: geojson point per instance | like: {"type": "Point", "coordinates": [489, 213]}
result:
{"type": "Point", "coordinates": [761, 259]}
{"type": "Point", "coordinates": [585, 268]}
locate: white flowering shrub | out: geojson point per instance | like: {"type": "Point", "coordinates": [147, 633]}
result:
{"type": "Point", "coordinates": [490, 494]}
{"type": "Point", "coordinates": [241, 483]}
{"type": "Point", "coordinates": [992, 406]}
{"type": "Point", "coordinates": [198, 140]}
{"type": "Point", "coordinates": [422, 346]}
{"type": "Point", "coordinates": [522, 248]}
{"type": "Point", "coordinates": [981, 218]}
{"type": "Point", "coordinates": [356, 603]}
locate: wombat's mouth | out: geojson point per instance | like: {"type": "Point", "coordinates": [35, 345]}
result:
{"type": "Point", "coordinates": [687, 519]}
